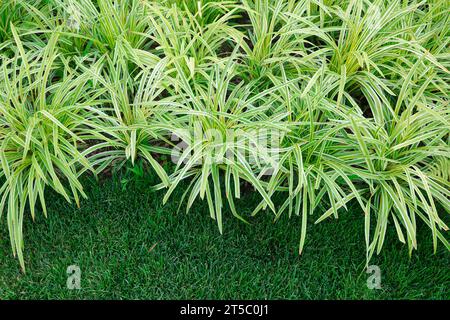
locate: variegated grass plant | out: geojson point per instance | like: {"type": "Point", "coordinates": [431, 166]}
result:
{"type": "Point", "coordinates": [356, 90]}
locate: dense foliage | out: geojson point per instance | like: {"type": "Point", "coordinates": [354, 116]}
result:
{"type": "Point", "coordinates": [352, 96]}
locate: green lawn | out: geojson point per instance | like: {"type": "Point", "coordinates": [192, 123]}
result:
{"type": "Point", "coordinates": [129, 246]}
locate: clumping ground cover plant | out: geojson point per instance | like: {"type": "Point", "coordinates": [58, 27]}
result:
{"type": "Point", "coordinates": [313, 105]}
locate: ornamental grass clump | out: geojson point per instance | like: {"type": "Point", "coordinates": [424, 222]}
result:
{"type": "Point", "coordinates": [313, 105]}
{"type": "Point", "coordinates": [47, 113]}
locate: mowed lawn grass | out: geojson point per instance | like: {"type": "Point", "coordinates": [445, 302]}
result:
{"type": "Point", "coordinates": [130, 246]}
